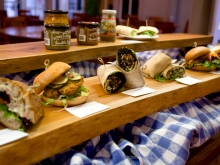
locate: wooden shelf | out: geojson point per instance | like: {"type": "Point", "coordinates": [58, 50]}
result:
{"type": "Point", "coordinates": [30, 56]}
{"type": "Point", "coordinates": [58, 131]}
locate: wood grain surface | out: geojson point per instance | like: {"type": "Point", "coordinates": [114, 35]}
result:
{"type": "Point", "coordinates": [30, 56]}
{"type": "Point", "coordinates": [58, 131]}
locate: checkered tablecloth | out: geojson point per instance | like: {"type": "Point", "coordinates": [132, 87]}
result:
{"type": "Point", "coordinates": [162, 138]}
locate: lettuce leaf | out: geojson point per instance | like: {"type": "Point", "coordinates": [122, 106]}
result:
{"type": "Point", "coordinates": [82, 91]}
{"type": "Point", "coordinates": [147, 32]}
{"type": "Point", "coordinates": [160, 78]}
{"type": "Point", "coordinates": [10, 114]}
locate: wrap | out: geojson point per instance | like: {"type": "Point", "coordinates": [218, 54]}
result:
{"type": "Point", "coordinates": [128, 63]}
{"type": "Point", "coordinates": [126, 30]}
{"type": "Point", "coordinates": [174, 71]}
{"type": "Point", "coordinates": [111, 78]}
{"type": "Point", "coordinates": [156, 65]}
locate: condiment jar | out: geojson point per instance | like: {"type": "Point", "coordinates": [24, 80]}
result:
{"type": "Point", "coordinates": [56, 17]}
{"type": "Point", "coordinates": [108, 26]}
{"type": "Point", "coordinates": [88, 33]}
{"type": "Point", "coordinates": [57, 36]}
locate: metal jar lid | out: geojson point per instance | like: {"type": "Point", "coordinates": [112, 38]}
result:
{"type": "Point", "coordinates": [56, 11]}
{"type": "Point", "coordinates": [57, 26]}
{"type": "Point", "coordinates": [83, 23]}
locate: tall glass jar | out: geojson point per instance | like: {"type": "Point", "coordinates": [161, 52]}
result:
{"type": "Point", "coordinates": [108, 26]}
{"type": "Point", "coordinates": [57, 34]}
{"type": "Point", "coordinates": [56, 17]}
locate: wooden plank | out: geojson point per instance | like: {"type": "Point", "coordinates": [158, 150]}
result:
{"type": "Point", "coordinates": [58, 131]}
{"type": "Point", "coordinates": [30, 56]}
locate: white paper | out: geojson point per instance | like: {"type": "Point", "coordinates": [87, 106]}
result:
{"type": "Point", "coordinates": [130, 41]}
{"type": "Point", "coordinates": [8, 135]}
{"type": "Point", "coordinates": [215, 72]}
{"type": "Point", "coordinates": [86, 109]}
{"type": "Point", "coordinates": [139, 91]}
{"type": "Point", "coordinates": [188, 80]}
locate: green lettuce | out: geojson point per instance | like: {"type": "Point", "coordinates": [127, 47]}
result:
{"type": "Point", "coordinates": [147, 32]}
{"type": "Point", "coordinates": [82, 91]}
{"type": "Point", "coordinates": [10, 114]}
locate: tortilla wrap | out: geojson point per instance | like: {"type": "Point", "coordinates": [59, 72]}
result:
{"type": "Point", "coordinates": [128, 64]}
{"type": "Point", "coordinates": [126, 30]}
{"type": "Point", "coordinates": [174, 71]}
{"type": "Point", "coordinates": [156, 65]}
{"type": "Point", "coordinates": [111, 78]}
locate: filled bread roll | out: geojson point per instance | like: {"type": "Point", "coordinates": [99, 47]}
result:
{"type": "Point", "coordinates": [19, 106]}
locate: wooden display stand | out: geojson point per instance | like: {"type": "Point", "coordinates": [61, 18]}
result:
{"type": "Point", "coordinates": [58, 131]}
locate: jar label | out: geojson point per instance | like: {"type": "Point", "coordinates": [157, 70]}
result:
{"type": "Point", "coordinates": [108, 27]}
{"type": "Point", "coordinates": [60, 38]}
{"type": "Point", "coordinates": [93, 35]}
{"type": "Point", "coordinates": [82, 36]}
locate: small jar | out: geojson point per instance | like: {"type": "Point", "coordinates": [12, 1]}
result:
{"type": "Point", "coordinates": [108, 26]}
{"type": "Point", "coordinates": [88, 33]}
{"type": "Point", "coordinates": [56, 17]}
{"type": "Point", "coordinates": [57, 37]}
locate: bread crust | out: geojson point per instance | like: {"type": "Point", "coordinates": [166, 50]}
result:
{"type": "Point", "coordinates": [9, 122]}
{"type": "Point", "coordinates": [196, 52]}
{"type": "Point", "coordinates": [49, 75]}
{"type": "Point", "coordinates": [75, 101]}
{"type": "Point", "coordinates": [26, 103]}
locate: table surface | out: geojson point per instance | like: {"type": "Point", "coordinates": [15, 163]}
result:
{"type": "Point", "coordinates": [29, 32]}
{"type": "Point", "coordinates": [58, 131]}
{"type": "Point", "coordinates": [33, 54]}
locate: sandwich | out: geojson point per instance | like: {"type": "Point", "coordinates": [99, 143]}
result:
{"type": "Point", "coordinates": [127, 62]}
{"type": "Point", "coordinates": [148, 31]}
{"type": "Point", "coordinates": [111, 78]}
{"type": "Point", "coordinates": [60, 87]}
{"type": "Point", "coordinates": [173, 72]}
{"type": "Point", "coordinates": [202, 59]}
{"type": "Point", "coordinates": [20, 106]}
{"type": "Point", "coordinates": [126, 30]}
{"type": "Point", "coordinates": [156, 65]}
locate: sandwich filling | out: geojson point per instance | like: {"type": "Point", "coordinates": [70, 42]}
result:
{"type": "Point", "coordinates": [126, 59]}
{"type": "Point", "coordinates": [5, 113]}
{"type": "Point", "coordinates": [66, 87]}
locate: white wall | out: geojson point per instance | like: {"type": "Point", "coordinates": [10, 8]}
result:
{"type": "Point", "coordinates": [151, 8]}
{"type": "Point", "coordinates": [214, 29]}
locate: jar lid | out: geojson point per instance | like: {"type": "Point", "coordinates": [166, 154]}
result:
{"type": "Point", "coordinates": [88, 23]}
{"type": "Point", "coordinates": [56, 11]}
{"type": "Point", "coordinates": [109, 11]}
{"type": "Point", "coordinates": [57, 26]}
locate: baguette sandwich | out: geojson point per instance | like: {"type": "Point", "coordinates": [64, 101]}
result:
{"type": "Point", "coordinates": [19, 106]}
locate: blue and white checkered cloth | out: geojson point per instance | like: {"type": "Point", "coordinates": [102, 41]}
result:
{"type": "Point", "coordinates": [162, 138]}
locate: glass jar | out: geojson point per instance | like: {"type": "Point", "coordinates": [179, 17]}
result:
{"type": "Point", "coordinates": [88, 33]}
{"type": "Point", "coordinates": [108, 26]}
{"type": "Point", "coordinates": [56, 17]}
{"type": "Point", "coordinates": [57, 37]}
{"type": "Point", "coordinates": [57, 33]}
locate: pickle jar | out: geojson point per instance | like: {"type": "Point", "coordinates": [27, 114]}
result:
{"type": "Point", "coordinates": [56, 17]}
{"type": "Point", "coordinates": [57, 37]}
{"type": "Point", "coordinates": [108, 26]}
{"type": "Point", "coordinates": [88, 33]}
